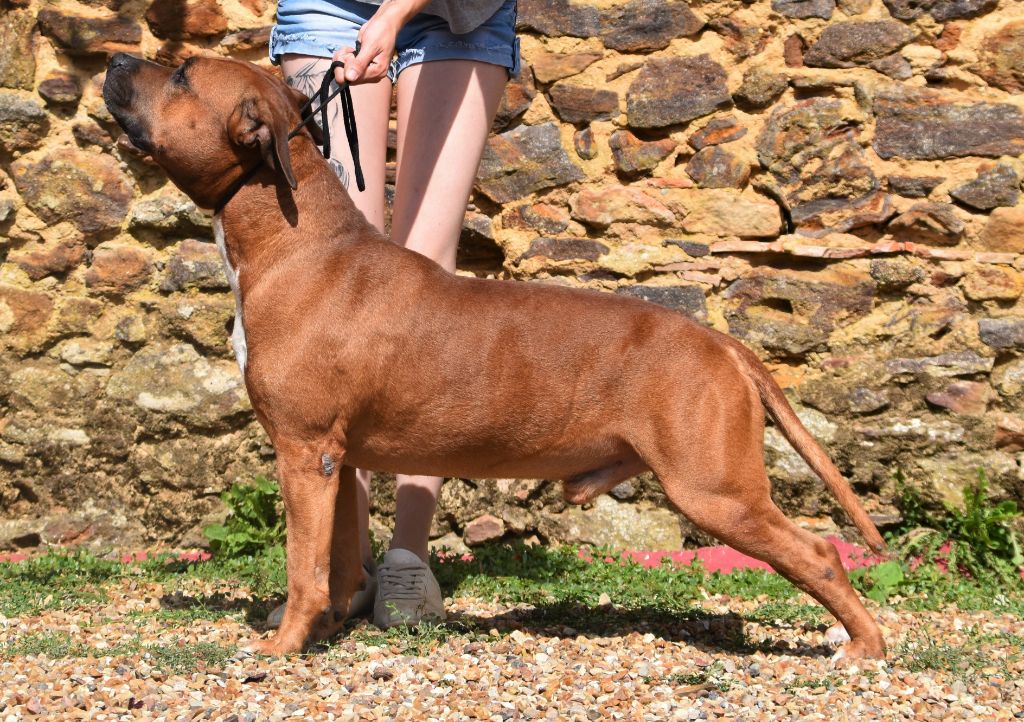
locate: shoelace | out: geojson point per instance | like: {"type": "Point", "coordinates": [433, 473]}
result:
{"type": "Point", "coordinates": [324, 95]}
{"type": "Point", "coordinates": [402, 583]}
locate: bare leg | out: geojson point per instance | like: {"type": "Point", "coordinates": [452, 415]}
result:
{"type": "Point", "coordinates": [445, 110]}
{"type": "Point", "coordinates": [372, 104]}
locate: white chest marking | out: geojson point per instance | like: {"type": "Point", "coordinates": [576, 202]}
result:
{"type": "Point", "coordinates": [238, 334]}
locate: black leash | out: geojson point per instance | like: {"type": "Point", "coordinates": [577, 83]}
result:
{"type": "Point", "coordinates": [347, 113]}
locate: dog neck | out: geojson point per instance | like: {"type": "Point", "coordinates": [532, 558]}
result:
{"type": "Point", "coordinates": [266, 202]}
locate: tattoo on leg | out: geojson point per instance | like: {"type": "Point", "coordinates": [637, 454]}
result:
{"type": "Point", "coordinates": [307, 80]}
{"type": "Point", "coordinates": [339, 170]}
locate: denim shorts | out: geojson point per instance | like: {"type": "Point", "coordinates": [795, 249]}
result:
{"type": "Point", "coordinates": [320, 27]}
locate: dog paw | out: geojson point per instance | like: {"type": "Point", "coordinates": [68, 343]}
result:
{"type": "Point", "coordinates": [271, 647]}
{"type": "Point", "coordinates": [327, 625]}
{"type": "Point", "coordinates": [855, 650]}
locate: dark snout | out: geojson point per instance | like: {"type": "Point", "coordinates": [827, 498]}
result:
{"type": "Point", "coordinates": [127, 96]}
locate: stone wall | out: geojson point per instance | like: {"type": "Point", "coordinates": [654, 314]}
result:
{"type": "Point", "coordinates": [836, 182]}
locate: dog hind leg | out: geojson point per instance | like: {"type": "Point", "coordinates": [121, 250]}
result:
{"type": "Point", "coordinates": [751, 523]}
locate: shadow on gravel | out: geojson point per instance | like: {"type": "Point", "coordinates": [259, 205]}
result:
{"type": "Point", "coordinates": [254, 611]}
{"type": "Point", "coordinates": [711, 633]}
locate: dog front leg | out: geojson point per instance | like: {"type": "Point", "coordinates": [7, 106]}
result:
{"type": "Point", "coordinates": [347, 575]}
{"type": "Point", "coordinates": [309, 474]}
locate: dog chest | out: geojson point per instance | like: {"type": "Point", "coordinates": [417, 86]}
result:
{"type": "Point", "coordinates": [238, 342]}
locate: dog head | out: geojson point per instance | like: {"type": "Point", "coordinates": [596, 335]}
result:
{"type": "Point", "coordinates": [207, 122]}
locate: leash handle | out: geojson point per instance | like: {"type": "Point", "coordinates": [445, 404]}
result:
{"type": "Point", "coordinates": [324, 95]}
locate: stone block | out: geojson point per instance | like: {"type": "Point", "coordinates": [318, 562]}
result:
{"type": "Point", "coordinates": [633, 156]}
{"type": "Point", "coordinates": [23, 122]}
{"type": "Point", "coordinates": [1001, 61]}
{"type": "Point", "coordinates": [604, 206]}
{"type": "Point", "coordinates": [935, 224]}
{"type": "Point", "coordinates": [724, 212]}
{"type": "Point", "coordinates": [669, 91]}
{"type": "Point", "coordinates": [194, 264]}
{"type": "Point", "coordinates": [1004, 232]}
{"type": "Point", "coordinates": [88, 190]}
{"type": "Point", "coordinates": [565, 249]}
{"type": "Point", "coordinates": [760, 88]}
{"type": "Point", "coordinates": [90, 35]}
{"type": "Point", "coordinates": [994, 187]}
{"type": "Point", "coordinates": [117, 269]}
{"type": "Point", "coordinates": [175, 381]}
{"type": "Point", "coordinates": [580, 104]}
{"type": "Point", "coordinates": [17, 49]}
{"type": "Point", "coordinates": [687, 300]}
{"type": "Point", "coordinates": [805, 8]}
{"type": "Point", "coordinates": [1002, 333]}
{"type": "Point", "coordinates": [857, 42]}
{"type": "Point", "coordinates": [187, 20]}
{"type": "Point", "coordinates": [717, 132]}
{"type": "Point", "coordinates": [715, 167]}
{"type": "Point", "coordinates": [924, 125]}
{"type": "Point", "coordinates": [524, 160]}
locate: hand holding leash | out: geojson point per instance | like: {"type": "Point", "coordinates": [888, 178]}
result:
{"type": "Point", "coordinates": [324, 96]}
{"type": "Point", "coordinates": [369, 61]}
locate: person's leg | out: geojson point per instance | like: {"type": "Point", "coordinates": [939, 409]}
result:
{"type": "Point", "coordinates": [445, 110]}
{"type": "Point", "coordinates": [372, 105]}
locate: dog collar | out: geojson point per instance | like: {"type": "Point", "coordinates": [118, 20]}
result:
{"type": "Point", "coordinates": [236, 186]}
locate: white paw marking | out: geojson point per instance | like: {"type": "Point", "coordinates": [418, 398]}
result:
{"type": "Point", "coordinates": [837, 634]}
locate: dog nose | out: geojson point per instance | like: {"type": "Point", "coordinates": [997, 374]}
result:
{"type": "Point", "coordinates": [121, 61]}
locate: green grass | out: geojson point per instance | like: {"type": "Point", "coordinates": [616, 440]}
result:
{"type": "Point", "coordinates": [550, 577]}
{"type": "Point", "coordinates": [54, 581]}
{"type": "Point", "coordinates": [921, 652]}
{"type": "Point", "coordinates": [183, 657]}
{"type": "Point", "coordinates": [177, 656]}
{"type": "Point", "coordinates": [829, 681]}
{"type": "Point", "coordinates": [788, 613]}
{"type": "Point", "coordinates": [710, 677]}
{"type": "Point", "coordinates": [561, 594]}
{"type": "Point", "coordinates": [54, 645]}
{"type": "Point", "coordinates": [415, 641]}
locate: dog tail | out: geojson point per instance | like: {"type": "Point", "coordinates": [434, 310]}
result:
{"type": "Point", "coordinates": [797, 435]}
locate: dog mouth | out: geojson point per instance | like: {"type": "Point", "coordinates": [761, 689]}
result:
{"type": "Point", "coordinates": [126, 142]}
{"type": "Point", "coordinates": [134, 136]}
{"type": "Point", "coordinates": [119, 97]}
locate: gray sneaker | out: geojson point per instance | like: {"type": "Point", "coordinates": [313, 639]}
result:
{"type": "Point", "coordinates": [362, 601]}
{"type": "Point", "coordinates": [406, 591]}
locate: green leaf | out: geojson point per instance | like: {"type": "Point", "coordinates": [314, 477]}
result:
{"type": "Point", "coordinates": [215, 532]}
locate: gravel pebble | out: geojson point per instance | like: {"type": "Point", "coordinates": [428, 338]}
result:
{"type": "Point", "coordinates": [715, 668]}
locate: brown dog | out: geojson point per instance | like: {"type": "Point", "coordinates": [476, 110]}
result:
{"type": "Point", "coordinates": [365, 354]}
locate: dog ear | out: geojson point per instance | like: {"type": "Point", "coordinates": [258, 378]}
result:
{"type": "Point", "coordinates": [311, 123]}
{"type": "Point", "coordinates": [256, 123]}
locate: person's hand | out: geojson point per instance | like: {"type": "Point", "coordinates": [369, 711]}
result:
{"type": "Point", "coordinates": [377, 40]}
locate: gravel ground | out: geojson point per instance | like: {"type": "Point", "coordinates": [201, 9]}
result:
{"type": "Point", "coordinates": [731, 660]}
